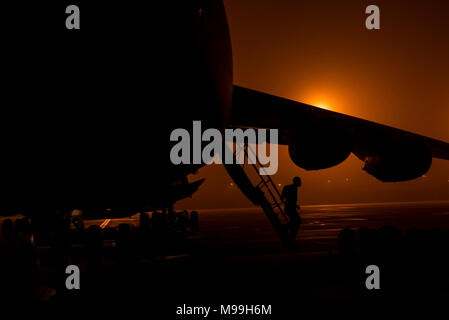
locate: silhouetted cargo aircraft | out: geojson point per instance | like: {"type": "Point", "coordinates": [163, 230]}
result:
{"type": "Point", "coordinates": [87, 114]}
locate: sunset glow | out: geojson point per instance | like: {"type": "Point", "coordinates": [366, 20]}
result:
{"type": "Point", "coordinates": [322, 105]}
{"type": "Point", "coordinates": [343, 69]}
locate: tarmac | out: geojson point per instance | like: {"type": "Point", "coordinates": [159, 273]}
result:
{"type": "Point", "coordinates": [237, 258]}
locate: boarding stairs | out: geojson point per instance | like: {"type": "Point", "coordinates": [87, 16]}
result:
{"type": "Point", "coordinates": [264, 193]}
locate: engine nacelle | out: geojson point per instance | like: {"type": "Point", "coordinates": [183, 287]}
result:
{"type": "Point", "coordinates": [401, 161]}
{"type": "Point", "coordinates": [320, 146]}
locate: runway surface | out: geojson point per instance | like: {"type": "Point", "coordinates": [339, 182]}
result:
{"type": "Point", "coordinates": [242, 228]}
{"type": "Point", "coordinates": [237, 257]}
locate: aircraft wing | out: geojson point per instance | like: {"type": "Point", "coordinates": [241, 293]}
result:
{"type": "Point", "coordinates": [318, 138]}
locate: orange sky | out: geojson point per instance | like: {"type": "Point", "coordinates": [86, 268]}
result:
{"type": "Point", "coordinates": [320, 52]}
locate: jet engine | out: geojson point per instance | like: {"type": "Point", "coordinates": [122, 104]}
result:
{"type": "Point", "coordinates": [321, 145]}
{"type": "Point", "coordinates": [401, 161]}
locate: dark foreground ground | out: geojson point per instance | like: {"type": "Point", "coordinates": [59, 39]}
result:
{"type": "Point", "coordinates": [236, 258]}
